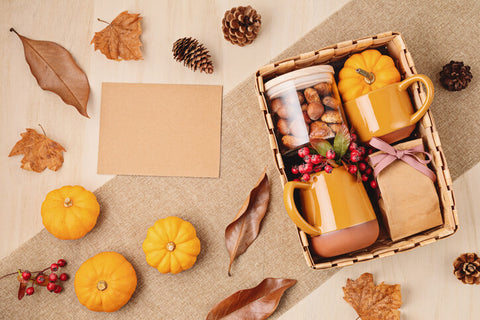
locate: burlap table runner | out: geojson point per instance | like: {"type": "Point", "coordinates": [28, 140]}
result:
{"type": "Point", "coordinates": [435, 32]}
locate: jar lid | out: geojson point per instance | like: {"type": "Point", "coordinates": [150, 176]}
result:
{"type": "Point", "coordinates": [302, 78]}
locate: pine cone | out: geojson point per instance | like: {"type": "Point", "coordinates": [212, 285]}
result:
{"type": "Point", "coordinates": [194, 55]}
{"type": "Point", "coordinates": [455, 76]}
{"type": "Point", "coordinates": [241, 25]}
{"type": "Point", "coordinates": [467, 268]}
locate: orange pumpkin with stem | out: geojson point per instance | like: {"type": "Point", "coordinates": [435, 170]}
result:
{"type": "Point", "coordinates": [105, 282]}
{"type": "Point", "coordinates": [70, 212]}
{"type": "Point", "coordinates": [171, 245]}
{"type": "Point", "coordinates": [364, 72]}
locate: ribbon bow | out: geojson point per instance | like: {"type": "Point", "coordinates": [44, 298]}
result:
{"type": "Point", "coordinates": [382, 160]}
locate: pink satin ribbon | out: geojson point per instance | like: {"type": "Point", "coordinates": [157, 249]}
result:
{"type": "Point", "coordinates": [382, 160]}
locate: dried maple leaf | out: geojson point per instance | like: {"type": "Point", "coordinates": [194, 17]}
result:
{"type": "Point", "coordinates": [40, 152]}
{"type": "Point", "coordinates": [244, 229]}
{"type": "Point", "coordinates": [55, 70]}
{"type": "Point", "coordinates": [373, 302]}
{"type": "Point", "coordinates": [256, 303]}
{"type": "Point", "coordinates": [120, 39]}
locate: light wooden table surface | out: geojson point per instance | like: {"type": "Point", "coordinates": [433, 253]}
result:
{"type": "Point", "coordinates": [429, 289]}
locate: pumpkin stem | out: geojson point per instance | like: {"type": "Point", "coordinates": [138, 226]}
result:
{"type": "Point", "coordinates": [369, 77]}
{"type": "Point", "coordinates": [68, 202]}
{"type": "Point", "coordinates": [102, 285]}
{"type": "Point", "coordinates": [171, 246]}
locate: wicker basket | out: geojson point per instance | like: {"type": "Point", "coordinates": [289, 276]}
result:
{"type": "Point", "coordinates": [393, 44]}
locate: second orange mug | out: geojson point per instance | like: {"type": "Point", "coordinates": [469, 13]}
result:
{"type": "Point", "coordinates": [387, 113]}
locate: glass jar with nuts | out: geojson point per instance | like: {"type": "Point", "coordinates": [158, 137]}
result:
{"type": "Point", "coordinates": [305, 106]}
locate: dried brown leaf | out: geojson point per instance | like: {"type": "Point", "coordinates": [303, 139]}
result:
{"type": "Point", "coordinates": [22, 288]}
{"type": "Point", "coordinates": [372, 302]}
{"type": "Point", "coordinates": [255, 303]}
{"type": "Point", "coordinates": [244, 229]}
{"type": "Point", "coordinates": [55, 70]}
{"type": "Point", "coordinates": [40, 152]}
{"type": "Point", "coordinates": [120, 39]}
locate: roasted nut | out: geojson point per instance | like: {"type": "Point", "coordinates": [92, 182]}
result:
{"type": "Point", "coordinates": [306, 118]}
{"type": "Point", "coordinates": [290, 112]}
{"type": "Point", "coordinates": [331, 102]}
{"type": "Point", "coordinates": [301, 97]}
{"type": "Point", "coordinates": [276, 104]}
{"type": "Point", "coordinates": [315, 110]}
{"type": "Point", "coordinates": [290, 141]}
{"type": "Point", "coordinates": [311, 95]}
{"type": "Point", "coordinates": [331, 116]}
{"type": "Point", "coordinates": [298, 128]}
{"type": "Point", "coordinates": [304, 107]}
{"type": "Point", "coordinates": [336, 127]}
{"type": "Point", "coordinates": [291, 99]}
{"type": "Point", "coordinates": [282, 126]}
{"type": "Point", "coordinates": [320, 130]}
{"type": "Point", "coordinates": [283, 112]}
{"type": "Point", "coordinates": [323, 88]}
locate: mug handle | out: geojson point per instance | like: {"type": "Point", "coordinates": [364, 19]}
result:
{"type": "Point", "coordinates": [429, 92]}
{"type": "Point", "coordinates": [292, 210]}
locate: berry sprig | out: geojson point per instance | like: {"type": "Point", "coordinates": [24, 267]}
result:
{"type": "Point", "coordinates": [312, 162]}
{"type": "Point", "coordinates": [346, 151]}
{"type": "Point", "coordinates": [51, 281]}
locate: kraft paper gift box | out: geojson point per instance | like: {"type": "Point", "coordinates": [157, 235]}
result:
{"type": "Point", "coordinates": [408, 199]}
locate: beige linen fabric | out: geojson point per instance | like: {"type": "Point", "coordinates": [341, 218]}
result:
{"type": "Point", "coordinates": [435, 33]}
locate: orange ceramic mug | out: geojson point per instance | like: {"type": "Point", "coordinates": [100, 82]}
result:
{"type": "Point", "coordinates": [387, 113]}
{"type": "Point", "coordinates": [337, 212]}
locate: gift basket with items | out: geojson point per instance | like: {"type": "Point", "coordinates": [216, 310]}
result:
{"type": "Point", "coordinates": [357, 151]}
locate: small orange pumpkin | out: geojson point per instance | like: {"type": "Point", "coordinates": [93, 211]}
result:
{"type": "Point", "coordinates": [105, 282]}
{"type": "Point", "coordinates": [364, 72]}
{"type": "Point", "coordinates": [171, 245]}
{"type": "Point", "coordinates": [70, 212]}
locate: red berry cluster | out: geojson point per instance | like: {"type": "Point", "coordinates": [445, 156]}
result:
{"type": "Point", "coordinates": [312, 163]}
{"type": "Point", "coordinates": [51, 281]}
{"type": "Point", "coordinates": [355, 161]}
{"type": "Point", "coordinates": [356, 164]}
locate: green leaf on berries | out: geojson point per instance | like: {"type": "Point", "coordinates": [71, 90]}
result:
{"type": "Point", "coordinates": [322, 147]}
{"type": "Point", "coordinates": [341, 142]}
{"type": "Point", "coordinates": [332, 163]}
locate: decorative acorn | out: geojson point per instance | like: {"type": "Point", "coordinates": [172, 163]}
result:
{"type": "Point", "coordinates": [467, 268]}
{"type": "Point", "coordinates": [193, 54]}
{"type": "Point", "coordinates": [241, 25]}
{"type": "Point", "coordinates": [455, 76]}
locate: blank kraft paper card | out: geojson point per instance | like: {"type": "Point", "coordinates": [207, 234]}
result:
{"type": "Point", "coordinates": [160, 130]}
